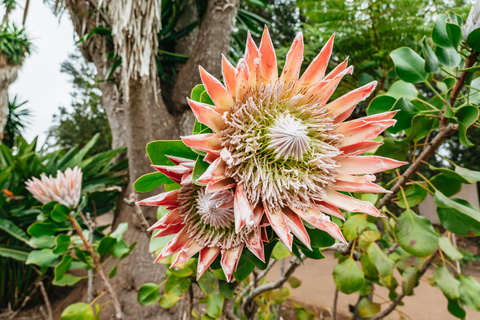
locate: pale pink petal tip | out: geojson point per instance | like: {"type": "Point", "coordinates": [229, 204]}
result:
{"type": "Point", "coordinates": [230, 260]}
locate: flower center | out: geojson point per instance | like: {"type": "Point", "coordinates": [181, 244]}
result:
{"type": "Point", "coordinates": [211, 207]}
{"type": "Point", "coordinates": [289, 138]}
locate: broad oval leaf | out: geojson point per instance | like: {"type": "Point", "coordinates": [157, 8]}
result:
{"type": "Point", "coordinates": [447, 283]}
{"type": "Point", "coordinates": [415, 234]}
{"type": "Point", "coordinates": [348, 277]}
{"type": "Point", "coordinates": [448, 248]}
{"type": "Point", "coordinates": [469, 289]}
{"type": "Point", "coordinates": [175, 286]}
{"type": "Point", "coordinates": [148, 293]}
{"type": "Point", "coordinates": [409, 65]}
{"type": "Point", "coordinates": [150, 181]}
{"type": "Point", "coordinates": [381, 261]}
{"type": "Point", "coordinates": [76, 311]}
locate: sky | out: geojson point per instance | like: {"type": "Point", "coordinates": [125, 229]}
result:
{"type": "Point", "coordinates": [39, 80]}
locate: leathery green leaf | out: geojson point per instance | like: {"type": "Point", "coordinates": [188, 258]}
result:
{"type": "Point", "coordinates": [347, 276]}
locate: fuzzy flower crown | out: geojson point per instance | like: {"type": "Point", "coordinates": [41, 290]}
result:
{"type": "Point", "coordinates": [269, 152]}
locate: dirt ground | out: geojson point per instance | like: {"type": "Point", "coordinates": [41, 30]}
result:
{"type": "Point", "coordinates": [318, 290]}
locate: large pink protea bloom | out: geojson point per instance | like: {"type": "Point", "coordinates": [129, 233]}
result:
{"type": "Point", "coordinates": [284, 145]}
{"type": "Point", "coordinates": [65, 188]}
{"type": "Point", "coordinates": [203, 222]}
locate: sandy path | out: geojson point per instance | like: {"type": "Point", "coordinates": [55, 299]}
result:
{"type": "Point", "coordinates": [318, 289]}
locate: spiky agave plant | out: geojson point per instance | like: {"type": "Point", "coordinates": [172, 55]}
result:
{"type": "Point", "coordinates": [281, 147]}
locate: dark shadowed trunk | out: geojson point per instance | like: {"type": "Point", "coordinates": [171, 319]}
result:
{"type": "Point", "coordinates": [140, 120]}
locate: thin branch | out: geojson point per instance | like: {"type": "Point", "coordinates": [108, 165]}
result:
{"type": "Point", "coordinates": [132, 202]}
{"type": "Point", "coordinates": [394, 304]}
{"type": "Point", "coordinates": [294, 263]}
{"type": "Point", "coordinates": [427, 152]}
{"type": "Point", "coordinates": [392, 248]}
{"type": "Point", "coordinates": [99, 267]}
{"type": "Point", "coordinates": [47, 301]}
{"type": "Point", "coordinates": [335, 302]}
{"type": "Point", "coordinates": [252, 283]}
{"type": "Point", "coordinates": [345, 249]}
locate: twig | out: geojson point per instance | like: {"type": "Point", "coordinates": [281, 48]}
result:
{"type": "Point", "coordinates": [394, 304]}
{"type": "Point", "coordinates": [294, 263]}
{"type": "Point", "coordinates": [99, 267]}
{"type": "Point", "coordinates": [100, 11]}
{"type": "Point", "coordinates": [335, 301]}
{"type": "Point", "coordinates": [445, 130]}
{"type": "Point", "coordinates": [392, 248]}
{"type": "Point", "coordinates": [429, 150]}
{"type": "Point", "coordinates": [132, 202]}
{"type": "Point", "coordinates": [90, 271]}
{"type": "Point", "coordinates": [345, 249]}
{"type": "Point", "coordinates": [47, 301]}
{"type": "Point", "coordinates": [252, 283]}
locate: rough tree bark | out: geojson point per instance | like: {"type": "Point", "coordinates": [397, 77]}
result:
{"type": "Point", "coordinates": [144, 118]}
{"type": "Point", "coordinates": [8, 74]}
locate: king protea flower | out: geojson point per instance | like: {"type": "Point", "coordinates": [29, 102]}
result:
{"type": "Point", "coordinates": [65, 188]}
{"type": "Point", "coordinates": [284, 146]}
{"type": "Point", "coordinates": [203, 222]}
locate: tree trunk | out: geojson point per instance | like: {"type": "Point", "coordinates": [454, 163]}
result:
{"type": "Point", "coordinates": [8, 74]}
{"type": "Point", "coordinates": [140, 120]}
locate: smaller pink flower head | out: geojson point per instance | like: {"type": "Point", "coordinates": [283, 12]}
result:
{"type": "Point", "coordinates": [64, 189]}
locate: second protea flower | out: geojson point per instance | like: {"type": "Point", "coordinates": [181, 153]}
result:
{"type": "Point", "coordinates": [284, 145]}
{"type": "Point", "coordinates": [65, 188]}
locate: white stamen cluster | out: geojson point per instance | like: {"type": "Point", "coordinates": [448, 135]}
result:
{"type": "Point", "coordinates": [193, 207]}
{"type": "Point", "coordinates": [289, 138]}
{"type": "Point", "coordinates": [209, 207]}
{"type": "Point", "coordinates": [281, 147]}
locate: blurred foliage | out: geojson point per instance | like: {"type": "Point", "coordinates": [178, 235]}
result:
{"type": "Point", "coordinates": [14, 44]}
{"type": "Point", "coordinates": [86, 117]}
{"type": "Point", "coordinates": [17, 120]}
{"type": "Point", "coordinates": [19, 210]}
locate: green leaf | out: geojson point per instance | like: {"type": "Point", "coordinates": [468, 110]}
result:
{"type": "Point", "coordinates": [401, 89]}
{"type": "Point", "coordinates": [347, 276]}
{"type": "Point", "coordinates": [77, 311]}
{"type": "Point", "coordinates": [411, 276]}
{"type": "Point", "coordinates": [121, 229]}
{"type": "Point", "coordinates": [205, 98]}
{"type": "Point", "coordinates": [439, 33]}
{"type": "Point", "coordinates": [405, 115]}
{"type": "Point", "coordinates": [454, 30]}
{"type": "Point", "coordinates": [469, 289]}
{"type": "Point", "coordinates": [456, 309]}
{"type": "Point", "coordinates": [280, 251]}
{"type": "Point", "coordinates": [448, 248]}
{"type": "Point", "coordinates": [294, 282]}
{"type": "Point", "coordinates": [313, 254]}
{"type": "Point", "coordinates": [447, 283]}
{"type": "Point", "coordinates": [225, 289]}
{"type": "Point", "coordinates": [42, 258]}
{"type": "Point", "coordinates": [43, 242]}
{"type": "Point", "coordinates": [457, 222]}
{"type": "Point", "coordinates": [473, 39]}
{"type": "Point", "coordinates": [367, 308]}
{"type": "Point", "coordinates": [319, 238]}
{"type": "Point", "coordinates": [156, 243]}
{"type": "Point", "coordinates": [244, 268]}
{"type": "Point", "coordinates": [354, 225]}
{"type": "Point", "coordinates": [200, 167]}
{"type": "Point", "coordinates": [279, 296]}
{"type": "Point", "coordinates": [166, 301]}
{"type": "Point", "coordinates": [467, 116]}
{"type": "Point", "coordinates": [66, 280]}
{"type": "Point", "coordinates": [197, 92]}
{"type": "Point", "coordinates": [10, 228]}
{"type": "Point", "coordinates": [175, 286]}
{"type": "Point", "coordinates": [446, 185]}
{"type": "Point", "coordinates": [62, 243]}
{"type": "Point", "coordinates": [474, 91]}
{"type": "Point", "coordinates": [368, 267]}
{"type": "Point", "coordinates": [409, 65]}
{"type": "Point", "coordinates": [431, 60]}
{"type": "Point", "coordinates": [60, 213]}
{"type": "Point", "coordinates": [148, 293]}
{"type": "Point", "coordinates": [414, 194]}
{"type": "Point", "coordinates": [448, 57]}
{"type": "Point", "coordinates": [470, 175]}
{"type": "Point", "coordinates": [383, 263]}
{"type": "Point", "coordinates": [157, 150]}
{"type": "Point", "coordinates": [120, 249]}
{"type": "Point", "coordinates": [40, 229]}
{"type": "Point", "coordinates": [381, 104]}
{"type": "Point", "coordinates": [443, 202]}
{"type": "Point", "coordinates": [150, 181]}
{"type": "Point", "coordinates": [415, 234]}
{"type": "Point", "coordinates": [207, 283]}
{"type": "Point", "coordinates": [106, 245]}
{"type": "Point", "coordinates": [215, 305]}
{"type": "Point", "coordinates": [17, 253]}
